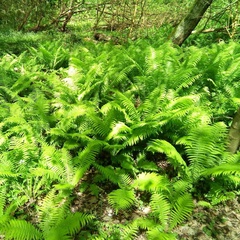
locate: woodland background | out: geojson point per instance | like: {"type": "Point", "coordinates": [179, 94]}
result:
{"type": "Point", "coordinates": [114, 127]}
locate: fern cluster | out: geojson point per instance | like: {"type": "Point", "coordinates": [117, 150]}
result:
{"type": "Point", "coordinates": [151, 123]}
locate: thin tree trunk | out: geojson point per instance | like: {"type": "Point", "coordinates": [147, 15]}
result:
{"type": "Point", "coordinates": [188, 24]}
{"type": "Point", "coordinates": [234, 133]}
{"type": "Point", "coordinates": [69, 15]}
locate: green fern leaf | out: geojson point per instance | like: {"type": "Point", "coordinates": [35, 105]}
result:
{"type": "Point", "coordinates": [68, 226]}
{"type": "Point", "coordinates": [145, 223]}
{"type": "Point", "coordinates": [53, 210]}
{"type": "Point", "coordinates": [223, 169]}
{"type": "Point", "coordinates": [158, 234]}
{"type": "Point", "coordinates": [88, 154]}
{"type": "Point", "coordinates": [181, 186]}
{"type": "Point", "coordinates": [173, 156]}
{"type": "Point", "coordinates": [118, 112]}
{"type": "Point", "coordinates": [121, 199]}
{"type": "Point", "coordinates": [151, 182]}
{"type": "Point", "coordinates": [207, 145]}
{"type": "Point", "coordinates": [141, 131]}
{"type": "Point", "coordinates": [182, 209]}
{"type": "Point", "coordinates": [128, 105]}
{"type": "Point", "coordinates": [117, 128]}
{"type": "Point", "coordinates": [161, 208]}
{"type": "Point", "coordinates": [21, 230]}
{"type": "Point", "coordinates": [49, 173]}
{"type": "Point", "coordinates": [2, 203]}
{"type": "Point", "coordinates": [130, 231]}
{"type": "Point", "coordinates": [222, 197]}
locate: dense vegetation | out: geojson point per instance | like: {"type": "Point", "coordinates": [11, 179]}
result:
{"type": "Point", "coordinates": [140, 130]}
{"type": "Point", "coordinates": [149, 123]}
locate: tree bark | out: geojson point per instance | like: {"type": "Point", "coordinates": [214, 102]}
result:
{"type": "Point", "coordinates": [188, 24]}
{"type": "Point", "coordinates": [234, 133]}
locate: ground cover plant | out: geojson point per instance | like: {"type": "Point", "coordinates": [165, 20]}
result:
{"type": "Point", "coordinates": [138, 130]}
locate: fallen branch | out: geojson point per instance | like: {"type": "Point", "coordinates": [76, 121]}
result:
{"type": "Point", "coordinates": [210, 30]}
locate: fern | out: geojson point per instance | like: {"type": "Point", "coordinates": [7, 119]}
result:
{"type": "Point", "coordinates": [182, 209]}
{"type": "Point", "coordinates": [52, 210]}
{"type": "Point", "coordinates": [161, 207]}
{"type": "Point", "coordinates": [151, 182]}
{"type": "Point", "coordinates": [62, 115]}
{"type": "Point", "coordinates": [141, 131]}
{"type": "Point", "coordinates": [121, 199]}
{"type": "Point", "coordinates": [68, 226]}
{"type": "Point", "coordinates": [144, 223]}
{"type": "Point", "coordinates": [51, 55]}
{"type": "Point", "coordinates": [157, 233]}
{"type": "Point", "coordinates": [173, 156]}
{"type": "Point", "coordinates": [21, 230]}
{"type": "Point", "coordinates": [206, 148]}
{"type": "Point", "coordinates": [115, 175]}
{"type": "Point", "coordinates": [89, 153]}
{"type": "Point", "coordinates": [220, 197]}
{"type": "Point", "coordinates": [54, 224]}
{"type": "Point", "coordinates": [223, 169]}
{"type": "Point", "coordinates": [128, 106]}
{"type": "Point", "coordinates": [117, 129]}
{"type": "Point", "coordinates": [2, 202]}
{"type": "Point", "coordinates": [130, 231]}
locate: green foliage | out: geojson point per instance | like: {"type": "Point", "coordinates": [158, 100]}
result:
{"type": "Point", "coordinates": [51, 55]}
{"type": "Point", "coordinates": [173, 156]}
{"type": "Point", "coordinates": [147, 126]}
{"type": "Point", "coordinates": [35, 15]}
{"type": "Point", "coordinates": [151, 182]}
{"type": "Point", "coordinates": [121, 199]}
{"type": "Point", "coordinates": [20, 230]}
{"type": "Point", "coordinates": [161, 207]}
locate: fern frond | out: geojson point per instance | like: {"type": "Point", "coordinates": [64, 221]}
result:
{"type": "Point", "coordinates": [7, 167]}
{"type": "Point", "coordinates": [151, 182]}
{"type": "Point", "coordinates": [128, 105]}
{"type": "Point", "coordinates": [183, 185]}
{"type": "Point", "coordinates": [51, 55]}
{"type": "Point", "coordinates": [117, 128]}
{"type": "Point", "coordinates": [88, 155]}
{"type": "Point", "coordinates": [157, 233]}
{"type": "Point", "coordinates": [108, 173]}
{"type": "Point", "coordinates": [141, 131]}
{"type": "Point", "coordinates": [222, 197]}
{"type": "Point", "coordinates": [52, 211]}
{"type": "Point", "coordinates": [2, 202]}
{"type": "Point", "coordinates": [153, 102]}
{"type": "Point", "coordinates": [7, 94]}
{"type": "Point", "coordinates": [21, 230]}
{"type": "Point", "coordinates": [130, 231]}
{"type": "Point", "coordinates": [121, 199]}
{"type": "Point", "coordinates": [145, 223]}
{"type": "Point", "coordinates": [223, 169]}
{"type": "Point", "coordinates": [182, 209]}
{"type": "Point", "coordinates": [115, 112]}
{"type": "Point", "coordinates": [173, 156]}
{"type": "Point", "coordinates": [48, 173]}
{"type": "Point", "coordinates": [206, 148]}
{"type": "Point", "coordinates": [21, 84]}
{"type": "Point", "coordinates": [124, 180]}
{"type": "Point", "coordinates": [69, 226]}
{"type": "Point", "coordinates": [183, 102]}
{"type": "Point", "coordinates": [100, 127]}
{"type": "Point", "coordinates": [161, 208]}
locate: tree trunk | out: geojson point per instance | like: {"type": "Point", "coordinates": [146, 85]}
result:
{"type": "Point", "coordinates": [187, 25]}
{"type": "Point", "coordinates": [234, 133]}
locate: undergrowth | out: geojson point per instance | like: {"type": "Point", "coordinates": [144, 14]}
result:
{"type": "Point", "coordinates": [149, 123]}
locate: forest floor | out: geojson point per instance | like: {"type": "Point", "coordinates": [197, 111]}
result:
{"type": "Point", "coordinates": [221, 222]}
